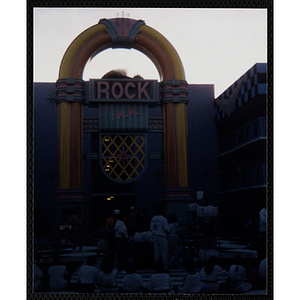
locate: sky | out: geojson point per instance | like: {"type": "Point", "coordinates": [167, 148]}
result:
{"type": "Point", "coordinates": [216, 46]}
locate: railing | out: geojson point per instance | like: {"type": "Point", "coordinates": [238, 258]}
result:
{"type": "Point", "coordinates": [246, 134]}
{"type": "Point", "coordinates": [249, 178]}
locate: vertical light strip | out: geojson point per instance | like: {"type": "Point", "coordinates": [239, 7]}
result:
{"type": "Point", "coordinates": [182, 145]}
{"type": "Point", "coordinates": [181, 107]}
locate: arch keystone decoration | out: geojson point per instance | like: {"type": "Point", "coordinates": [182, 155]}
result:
{"type": "Point", "coordinates": [130, 34]}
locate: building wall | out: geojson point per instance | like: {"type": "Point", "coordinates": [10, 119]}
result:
{"type": "Point", "coordinates": [227, 157]}
{"type": "Point", "coordinates": [242, 152]}
{"type": "Point", "coordinates": [146, 191]}
{"type": "Point", "coordinates": [45, 155]}
{"type": "Point", "coordinates": [202, 143]}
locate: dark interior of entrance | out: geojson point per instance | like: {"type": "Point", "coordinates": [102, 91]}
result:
{"type": "Point", "coordinates": [106, 194]}
{"type": "Point", "coordinates": [103, 207]}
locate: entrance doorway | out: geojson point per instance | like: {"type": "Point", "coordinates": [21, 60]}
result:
{"type": "Point", "coordinates": [102, 207]}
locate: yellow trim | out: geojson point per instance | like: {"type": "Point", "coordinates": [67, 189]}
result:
{"type": "Point", "coordinates": [167, 46]}
{"type": "Point", "coordinates": [152, 58]}
{"type": "Point", "coordinates": [182, 145]}
{"type": "Point", "coordinates": [78, 42]}
{"type": "Point", "coordinates": [64, 145]}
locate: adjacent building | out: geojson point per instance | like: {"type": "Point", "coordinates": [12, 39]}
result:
{"type": "Point", "coordinates": [242, 154]}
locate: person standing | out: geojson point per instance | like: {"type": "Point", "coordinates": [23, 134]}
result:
{"type": "Point", "coordinates": [110, 232]}
{"type": "Point", "coordinates": [130, 221]}
{"type": "Point", "coordinates": [173, 240]}
{"type": "Point", "coordinates": [159, 229]}
{"type": "Point", "coordinates": [122, 243]}
{"type": "Point", "coordinates": [77, 221]}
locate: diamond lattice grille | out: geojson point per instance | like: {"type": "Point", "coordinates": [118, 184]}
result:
{"type": "Point", "coordinates": [123, 156]}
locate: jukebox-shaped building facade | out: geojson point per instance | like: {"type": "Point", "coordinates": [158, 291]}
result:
{"type": "Point", "coordinates": [122, 120]}
{"type": "Point", "coordinates": [140, 142]}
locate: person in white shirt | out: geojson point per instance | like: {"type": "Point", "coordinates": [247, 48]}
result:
{"type": "Point", "coordinates": [57, 273]}
{"type": "Point", "coordinates": [160, 281]}
{"type": "Point", "coordinates": [132, 282]}
{"type": "Point", "coordinates": [159, 229]}
{"type": "Point", "coordinates": [192, 282]}
{"type": "Point", "coordinates": [108, 277]}
{"type": "Point", "coordinates": [88, 276]}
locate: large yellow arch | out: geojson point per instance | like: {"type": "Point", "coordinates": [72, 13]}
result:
{"type": "Point", "coordinates": [99, 30]}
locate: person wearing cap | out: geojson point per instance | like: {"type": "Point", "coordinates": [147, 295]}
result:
{"type": "Point", "coordinates": [110, 232]}
{"type": "Point", "coordinates": [122, 243]}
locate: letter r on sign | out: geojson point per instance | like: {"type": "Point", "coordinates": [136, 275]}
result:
{"type": "Point", "coordinates": [105, 90]}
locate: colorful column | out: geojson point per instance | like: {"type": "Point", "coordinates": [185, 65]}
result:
{"type": "Point", "coordinates": [69, 96]}
{"type": "Point", "coordinates": [174, 97]}
{"type": "Point", "coordinates": [176, 195]}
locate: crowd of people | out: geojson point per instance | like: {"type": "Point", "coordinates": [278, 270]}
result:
{"type": "Point", "coordinates": [116, 242]}
{"type": "Point", "coordinates": [209, 279]}
{"type": "Point", "coordinates": [119, 231]}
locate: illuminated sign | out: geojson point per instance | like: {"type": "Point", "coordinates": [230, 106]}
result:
{"type": "Point", "coordinates": [123, 117]}
{"type": "Point", "coordinates": [123, 90]}
{"type": "Point", "coordinates": [123, 103]}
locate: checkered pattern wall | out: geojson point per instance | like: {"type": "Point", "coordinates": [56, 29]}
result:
{"type": "Point", "coordinates": [254, 83]}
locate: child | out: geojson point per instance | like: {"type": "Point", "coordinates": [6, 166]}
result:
{"type": "Point", "coordinates": [132, 282]}
{"type": "Point", "coordinates": [88, 275]}
{"type": "Point", "coordinates": [192, 282]}
{"type": "Point", "coordinates": [210, 276]}
{"type": "Point", "coordinates": [57, 273]}
{"type": "Point", "coordinates": [237, 277]}
{"type": "Point", "coordinates": [160, 282]}
{"type": "Point", "coordinates": [108, 277]}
